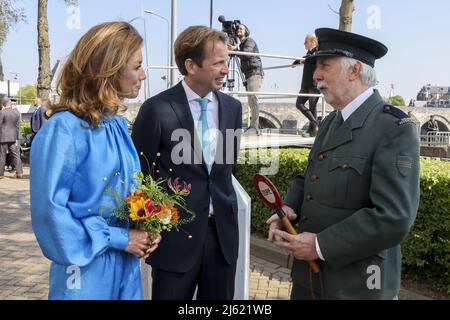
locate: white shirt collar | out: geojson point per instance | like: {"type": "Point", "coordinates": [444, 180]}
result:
{"type": "Point", "coordinates": [191, 95]}
{"type": "Point", "coordinates": [356, 103]}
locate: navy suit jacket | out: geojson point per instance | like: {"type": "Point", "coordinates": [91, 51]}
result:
{"type": "Point", "coordinates": [157, 120]}
{"type": "Point", "coordinates": [37, 120]}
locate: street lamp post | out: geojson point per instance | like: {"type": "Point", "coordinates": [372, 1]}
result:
{"type": "Point", "coordinates": [146, 89]}
{"type": "Point", "coordinates": [169, 79]}
{"type": "Point", "coordinates": [16, 77]}
{"type": "Point", "coordinates": [173, 31]}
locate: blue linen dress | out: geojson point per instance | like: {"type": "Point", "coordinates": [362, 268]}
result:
{"type": "Point", "coordinates": [71, 165]}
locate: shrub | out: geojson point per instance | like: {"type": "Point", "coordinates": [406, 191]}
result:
{"type": "Point", "coordinates": [25, 129]}
{"type": "Point", "coordinates": [291, 162]}
{"type": "Point", "coordinates": [426, 250]}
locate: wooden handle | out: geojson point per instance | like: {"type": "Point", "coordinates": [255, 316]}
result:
{"type": "Point", "coordinates": [314, 266]}
{"type": "Point", "coordinates": [287, 224]}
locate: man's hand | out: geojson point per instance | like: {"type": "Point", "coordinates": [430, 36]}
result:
{"type": "Point", "coordinates": [274, 222]}
{"type": "Point", "coordinates": [298, 63]}
{"type": "Point", "coordinates": [231, 47]}
{"type": "Point", "coordinates": [137, 242]}
{"type": "Point", "coordinates": [302, 246]}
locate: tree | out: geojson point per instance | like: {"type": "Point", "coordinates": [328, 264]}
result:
{"type": "Point", "coordinates": [10, 16]}
{"type": "Point", "coordinates": [45, 73]}
{"type": "Point", "coordinates": [27, 94]}
{"type": "Point", "coordinates": [397, 101]}
{"type": "Point", "coordinates": [345, 15]}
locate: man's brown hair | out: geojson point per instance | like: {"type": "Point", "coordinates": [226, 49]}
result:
{"type": "Point", "coordinates": [191, 42]}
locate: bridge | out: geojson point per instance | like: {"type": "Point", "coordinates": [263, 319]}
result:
{"type": "Point", "coordinates": [286, 116]}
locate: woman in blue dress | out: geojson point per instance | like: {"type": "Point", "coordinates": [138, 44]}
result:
{"type": "Point", "coordinates": [83, 149]}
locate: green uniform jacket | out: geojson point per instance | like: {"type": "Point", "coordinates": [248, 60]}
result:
{"type": "Point", "coordinates": [360, 194]}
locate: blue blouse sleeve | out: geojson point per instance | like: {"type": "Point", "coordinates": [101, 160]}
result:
{"type": "Point", "coordinates": [63, 238]}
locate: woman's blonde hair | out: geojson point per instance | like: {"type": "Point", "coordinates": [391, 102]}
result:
{"type": "Point", "coordinates": [311, 37]}
{"type": "Point", "coordinates": [89, 83]}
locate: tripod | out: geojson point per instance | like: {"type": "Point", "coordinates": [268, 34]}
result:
{"type": "Point", "coordinates": [233, 61]}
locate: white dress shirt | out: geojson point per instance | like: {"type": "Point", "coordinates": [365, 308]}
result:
{"type": "Point", "coordinates": [212, 116]}
{"type": "Point", "coordinates": [346, 113]}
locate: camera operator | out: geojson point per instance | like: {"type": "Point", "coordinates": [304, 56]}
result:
{"type": "Point", "coordinates": [251, 67]}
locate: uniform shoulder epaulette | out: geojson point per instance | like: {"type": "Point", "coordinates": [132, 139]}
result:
{"type": "Point", "coordinates": [396, 112]}
{"type": "Point", "coordinates": [399, 114]}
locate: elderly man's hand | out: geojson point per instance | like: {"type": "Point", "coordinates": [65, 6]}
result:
{"type": "Point", "coordinates": [274, 222]}
{"type": "Point", "coordinates": [302, 246]}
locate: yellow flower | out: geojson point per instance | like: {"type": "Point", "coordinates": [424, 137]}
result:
{"type": "Point", "coordinates": [137, 209]}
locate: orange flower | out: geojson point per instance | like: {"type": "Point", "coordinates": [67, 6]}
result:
{"type": "Point", "coordinates": [135, 196]}
{"type": "Point", "coordinates": [167, 213]}
{"type": "Point", "coordinates": [175, 216]}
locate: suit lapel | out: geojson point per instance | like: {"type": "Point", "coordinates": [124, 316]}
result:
{"type": "Point", "coordinates": [180, 106]}
{"type": "Point", "coordinates": [344, 133]}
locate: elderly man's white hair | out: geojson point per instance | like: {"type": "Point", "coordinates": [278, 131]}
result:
{"type": "Point", "coordinates": [368, 76]}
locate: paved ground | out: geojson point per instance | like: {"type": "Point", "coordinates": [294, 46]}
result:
{"type": "Point", "coordinates": [24, 270]}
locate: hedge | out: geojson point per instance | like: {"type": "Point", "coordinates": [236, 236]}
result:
{"type": "Point", "coordinates": [25, 128]}
{"type": "Point", "coordinates": [426, 249]}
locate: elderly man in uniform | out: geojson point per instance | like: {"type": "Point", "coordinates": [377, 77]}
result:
{"type": "Point", "coordinates": [359, 195]}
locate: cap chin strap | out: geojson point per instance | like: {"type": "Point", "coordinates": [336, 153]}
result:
{"type": "Point", "coordinates": [336, 52]}
{"type": "Point", "coordinates": [343, 53]}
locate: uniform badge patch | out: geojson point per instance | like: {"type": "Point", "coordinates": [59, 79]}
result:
{"type": "Point", "coordinates": [406, 120]}
{"type": "Point", "coordinates": [404, 165]}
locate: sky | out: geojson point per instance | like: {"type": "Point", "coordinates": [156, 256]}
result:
{"type": "Point", "coordinates": [416, 33]}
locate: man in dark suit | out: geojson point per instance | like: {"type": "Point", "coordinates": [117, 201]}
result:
{"type": "Point", "coordinates": [360, 193]}
{"type": "Point", "coordinates": [38, 118]}
{"type": "Point", "coordinates": [9, 134]}
{"type": "Point", "coordinates": [192, 131]}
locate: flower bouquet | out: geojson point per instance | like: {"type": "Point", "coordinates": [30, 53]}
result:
{"type": "Point", "coordinates": [151, 208]}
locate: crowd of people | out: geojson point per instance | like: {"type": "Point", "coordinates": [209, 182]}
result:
{"type": "Point", "coordinates": [11, 137]}
{"type": "Point", "coordinates": [353, 205]}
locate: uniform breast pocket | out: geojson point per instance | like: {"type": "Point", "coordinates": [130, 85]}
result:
{"type": "Point", "coordinates": [347, 183]}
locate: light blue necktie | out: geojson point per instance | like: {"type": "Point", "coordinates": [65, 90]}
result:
{"type": "Point", "coordinates": [204, 139]}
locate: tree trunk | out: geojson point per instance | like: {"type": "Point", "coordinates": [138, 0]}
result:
{"type": "Point", "coordinates": [345, 15]}
{"type": "Point", "coordinates": [1, 67]}
{"type": "Point", "coordinates": [44, 76]}
{"type": "Point", "coordinates": [1, 75]}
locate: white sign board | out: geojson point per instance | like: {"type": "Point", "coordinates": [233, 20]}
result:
{"type": "Point", "coordinates": [13, 88]}
{"type": "Point", "coordinates": [3, 87]}
{"type": "Point", "coordinates": [243, 262]}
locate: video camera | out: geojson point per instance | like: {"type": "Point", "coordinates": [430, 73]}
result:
{"type": "Point", "coordinates": [230, 28]}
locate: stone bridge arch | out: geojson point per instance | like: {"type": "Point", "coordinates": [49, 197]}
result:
{"type": "Point", "coordinates": [443, 123]}
{"type": "Point", "coordinates": [266, 120]}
